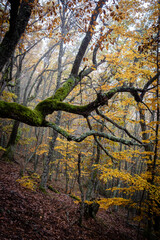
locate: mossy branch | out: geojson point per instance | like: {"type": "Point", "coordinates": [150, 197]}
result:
{"type": "Point", "coordinates": [80, 138]}
{"type": "Point", "coordinates": [36, 117]}
{"type": "Point", "coordinates": [65, 89]}
{"type": "Point", "coordinates": [21, 113]}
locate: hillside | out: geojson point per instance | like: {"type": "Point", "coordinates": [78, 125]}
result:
{"type": "Point", "coordinates": [26, 214]}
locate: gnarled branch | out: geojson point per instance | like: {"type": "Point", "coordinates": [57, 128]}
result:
{"type": "Point", "coordinates": [80, 138]}
{"type": "Point", "coordinates": [36, 116]}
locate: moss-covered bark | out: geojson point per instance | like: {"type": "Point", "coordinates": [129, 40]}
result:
{"type": "Point", "coordinates": [21, 113]}
{"type": "Point", "coordinates": [36, 117]}
{"type": "Point", "coordinates": [49, 105]}
{"type": "Point", "coordinates": [66, 88]}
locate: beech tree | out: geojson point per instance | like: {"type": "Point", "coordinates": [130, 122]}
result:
{"type": "Point", "coordinates": [37, 116]}
{"type": "Point", "coordinates": [118, 55]}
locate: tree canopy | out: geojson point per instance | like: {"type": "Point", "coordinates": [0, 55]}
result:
{"type": "Point", "coordinates": [89, 71]}
{"type": "Point", "coordinates": [97, 23]}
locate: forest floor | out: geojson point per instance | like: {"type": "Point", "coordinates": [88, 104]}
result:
{"type": "Point", "coordinates": [31, 215]}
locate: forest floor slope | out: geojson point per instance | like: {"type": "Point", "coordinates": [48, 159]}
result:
{"type": "Point", "coordinates": [31, 215]}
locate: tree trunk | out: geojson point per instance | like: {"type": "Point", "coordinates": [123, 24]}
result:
{"type": "Point", "coordinates": [19, 16]}
{"type": "Point", "coordinates": [45, 174]}
{"type": "Point", "coordinates": [10, 150]}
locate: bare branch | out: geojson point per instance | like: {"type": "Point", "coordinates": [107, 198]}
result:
{"type": "Point", "coordinates": [98, 45]}
{"type": "Point", "coordinates": [98, 142]}
{"type": "Point", "coordinates": [70, 137]}
{"type": "Point", "coordinates": [145, 88]}
{"type": "Point", "coordinates": [87, 38]}
{"type": "Point", "coordinates": [100, 121]}
{"type": "Point", "coordinates": [118, 126]}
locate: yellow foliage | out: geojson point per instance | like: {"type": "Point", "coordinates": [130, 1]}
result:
{"type": "Point", "coordinates": [8, 96]}
{"type": "Point", "coordinates": [2, 149]}
{"type": "Point", "coordinates": [138, 218]}
{"type": "Point", "coordinates": [26, 140]}
{"type": "Point", "coordinates": [42, 148]}
{"type": "Point", "coordinates": [29, 182]}
{"type": "Point", "coordinates": [108, 202]}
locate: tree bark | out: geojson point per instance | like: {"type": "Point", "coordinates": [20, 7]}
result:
{"type": "Point", "coordinates": [10, 150]}
{"type": "Point", "coordinates": [19, 16]}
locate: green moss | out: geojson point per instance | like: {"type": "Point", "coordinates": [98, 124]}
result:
{"type": "Point", "coordinates": [49, 105]}
{"type": "Point", "coordinates": [111, 92]}
{"type": "Point", "coordinates": [19, 134]}
{"type": "Point", "coordinates": [46, 106]}
{"type": "Point", "coordinates": [67, 107]}
{"type": "Point", "coordinates": [75, 197]}
{"type": "Point", "coordinates": [63, 91]}
{"type": "Point", "coordinates": [21, 113]}
{"type": "Point", "coordinates": [37, 116]}
{"type": "Point", "coordinates": [42, 189]}
{"type": "Point", "coordinates": [5, 76]}
{"type": "Point", "coordinates": [52, 189]}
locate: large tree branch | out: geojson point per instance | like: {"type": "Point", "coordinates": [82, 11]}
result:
{"type": "Point", "coordinates": [37, 116]}
{"type": "Point", "coordinates": [21, 113]}
{"type": "Point", "coordinates": [80, 138]}
{"type": "Point", "coordinates": [55, 103]}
